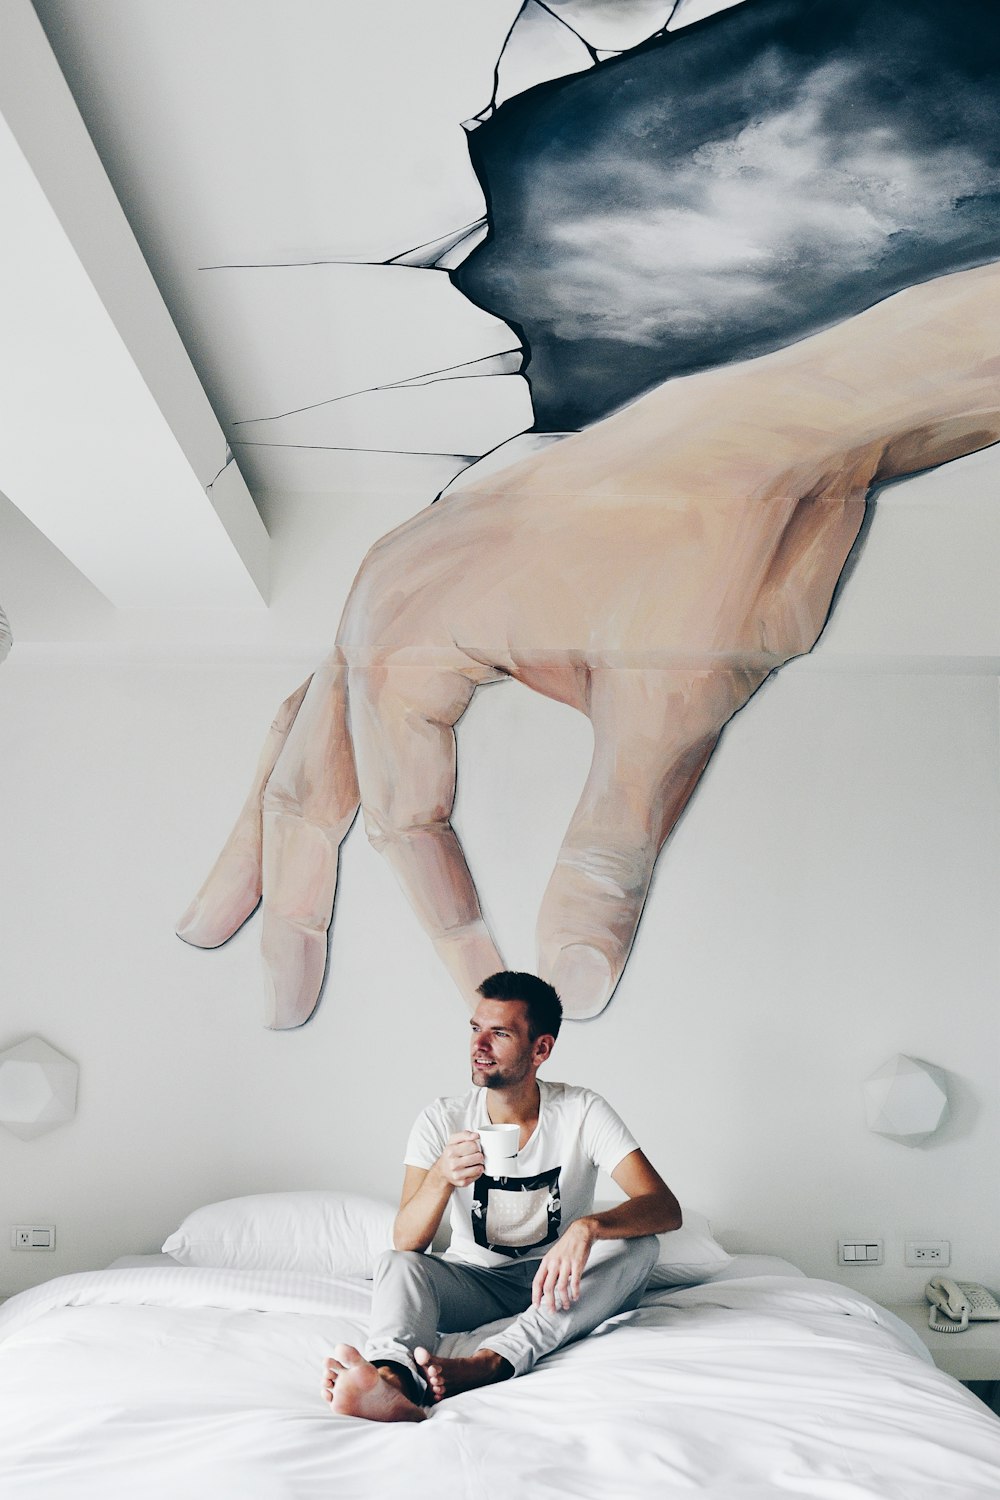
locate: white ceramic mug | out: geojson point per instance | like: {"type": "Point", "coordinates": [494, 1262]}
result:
{"type": "Point", "coordinates": [499, 1144]}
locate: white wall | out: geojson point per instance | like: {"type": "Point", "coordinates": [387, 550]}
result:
{"type": "Point", "coordinates": [829, 899]}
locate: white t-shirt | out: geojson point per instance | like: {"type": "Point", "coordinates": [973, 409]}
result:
{"type": "Point", "coordinates": [500, 1219]}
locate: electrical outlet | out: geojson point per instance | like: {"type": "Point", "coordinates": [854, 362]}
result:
{"type": "Point", "coordinates": [32, 1237]}
{"type": "Point", "coordinates": [928, 1252]}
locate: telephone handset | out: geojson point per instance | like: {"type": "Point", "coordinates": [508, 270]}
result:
{"type": "Point", "coordinates": [956, 1304]}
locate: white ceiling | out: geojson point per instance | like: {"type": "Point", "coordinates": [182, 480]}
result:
{"type": "Point", "coordinates": [269, 158]}
{"type": "Point", "coordinates": [109, 444]}
{"type": "Point", "coordinates": [206, 219]}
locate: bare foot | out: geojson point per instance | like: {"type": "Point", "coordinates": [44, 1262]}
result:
{"type": "Point", "coordinates": [448, 1377]}
{"type": "Point", "coordinates": [356, 1388]}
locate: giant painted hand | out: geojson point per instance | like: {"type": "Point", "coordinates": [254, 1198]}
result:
{"type": "Point", "coordinates": [650, 571]}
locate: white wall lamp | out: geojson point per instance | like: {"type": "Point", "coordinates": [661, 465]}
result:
{"type": "Point", "coordinates": [906, 1099]}
{"type": "Point", "coordinates": [37, 1088]}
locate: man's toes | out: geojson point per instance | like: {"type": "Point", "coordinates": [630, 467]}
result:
{"type": "Point", "coordinates": [431, 1372]}
{"type": "Point", "coordinates": [348, 1355]}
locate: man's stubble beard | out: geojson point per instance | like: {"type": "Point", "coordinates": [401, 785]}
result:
{"type": "Point", "coordinates": [494, 1079]}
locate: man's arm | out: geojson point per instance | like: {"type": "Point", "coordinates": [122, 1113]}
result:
{"type": "Point", "coordinates": [650, 1208]}
{"type": "Point", "coordinates": [426, 1191]}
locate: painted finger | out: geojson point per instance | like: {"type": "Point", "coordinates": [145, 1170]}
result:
{"type": "Point", "coordinates": [232, 890]}
{"type": "Point", "coordinates": [656, 729]}
{"type": "Point", "coordinates": [309, 803]}
{"type": "Point", "coordinates": [654, 732]}
{"type": "Point", "coordinates": [403, 720]}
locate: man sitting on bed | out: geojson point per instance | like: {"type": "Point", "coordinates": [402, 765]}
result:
{"type": "Point", "coordinates": [529, 1244]}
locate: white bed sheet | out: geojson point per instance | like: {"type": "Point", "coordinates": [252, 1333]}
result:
{"type": "Point", "coordinates": [737, 1265]}
{"type": "Point", "coordinates": [174, 1382]}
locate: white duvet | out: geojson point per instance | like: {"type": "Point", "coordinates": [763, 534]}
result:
{"type": "Point", "coordinates": [192, 1384]}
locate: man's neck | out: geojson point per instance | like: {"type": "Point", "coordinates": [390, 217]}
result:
{"type": "Point", "coordinates": [514, 1106]}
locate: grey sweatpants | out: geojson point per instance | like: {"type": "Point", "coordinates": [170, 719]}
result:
{"type": "Point", "coordinates": [416, 1297]}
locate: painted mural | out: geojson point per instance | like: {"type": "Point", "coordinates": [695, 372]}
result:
{"type": "Point", "coordinates": [746, 266]}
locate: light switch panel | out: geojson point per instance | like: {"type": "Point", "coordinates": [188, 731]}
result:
{"type": "Point", "coordinates": [863, 1250]}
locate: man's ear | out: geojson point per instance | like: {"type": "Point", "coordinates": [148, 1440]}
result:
{"type": "Point", "coordinates": [543, 1047]}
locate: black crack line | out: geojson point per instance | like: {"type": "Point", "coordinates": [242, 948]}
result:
{"type": "Point", "coordinates": [673, 12]}
{"type": "Point", "coordinates": [563, 22]}
{"type": "Point", "coordinates": [479, 458]}
{"type": "Point", "coordinates": [430, 377]}
{"type": "Point", "coordinates": [335, 260]}
{"type": "Point", "coordinates": [466, 458]}
{"type": "Point", "coordinates": [496, 71]}
{"type": "Point", "coordinates": [455, 239]}
{"type": "Point", "coordinates": [285, 265]}
{"type": "Point", "coordinates": [476, 460]}
{"type": "Point", "coordinates": [225, 466]}
{"type": "Point", "coordinates": [616, 51]}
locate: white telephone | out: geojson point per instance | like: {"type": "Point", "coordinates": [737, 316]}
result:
{"type": "Point", "coordinates": [956, 1304]}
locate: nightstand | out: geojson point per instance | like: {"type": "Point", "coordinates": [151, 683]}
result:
{"type": "Point", "coordinates": [972, 1357]}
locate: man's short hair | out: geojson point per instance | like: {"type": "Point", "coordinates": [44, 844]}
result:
{"type": "Point", "coordinates": [539, 998]}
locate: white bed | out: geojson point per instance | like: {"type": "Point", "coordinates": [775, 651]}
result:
{"type": "Point", "coordinates": [152, 1380]}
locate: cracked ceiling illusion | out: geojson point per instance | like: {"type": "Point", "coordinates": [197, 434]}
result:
{"type": "Point", "coordinates": [431, 233]}
{"type": "Point", "coordinates": [364, 343]}
{"type": "Point", "coordinates": [797, 163]}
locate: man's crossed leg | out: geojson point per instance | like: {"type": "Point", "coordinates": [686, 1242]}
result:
{"type": "Point", "coordinates": [416, 1297]}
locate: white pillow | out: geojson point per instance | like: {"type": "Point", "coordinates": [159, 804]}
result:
{"type": "Point", "coordinates": [688, 1254]}
{"type": "Point", "coordinates": [325, 1233]}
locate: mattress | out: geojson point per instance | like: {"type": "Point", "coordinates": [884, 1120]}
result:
{"type": "Point", "coordinates": [168, 1381]}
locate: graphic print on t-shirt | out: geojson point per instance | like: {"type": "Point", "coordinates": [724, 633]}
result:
{"type": "Point", "coordinates": [515, 1215]}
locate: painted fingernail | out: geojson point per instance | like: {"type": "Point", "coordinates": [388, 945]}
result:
{"type": "Point", "coordinates": [583, 977]}
{"type": "Point", "coordinates": [189, 918]}
{"type": "Point", "coordinates": [294, 961]}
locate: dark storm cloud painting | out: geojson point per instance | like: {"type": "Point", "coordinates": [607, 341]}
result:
{"type": "Point", "coordinates": [723, 190]}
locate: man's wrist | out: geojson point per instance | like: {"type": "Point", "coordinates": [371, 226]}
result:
{"type": "Point", "coordinates": [436, 1177]}
{"type": "Point", "coordinates": [591, 1225]}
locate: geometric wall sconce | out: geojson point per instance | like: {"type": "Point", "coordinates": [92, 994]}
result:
{"type": "Point", "coordinates": [906, 1100]}
{"type": "Point", "coordinates": [37, 1088]}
